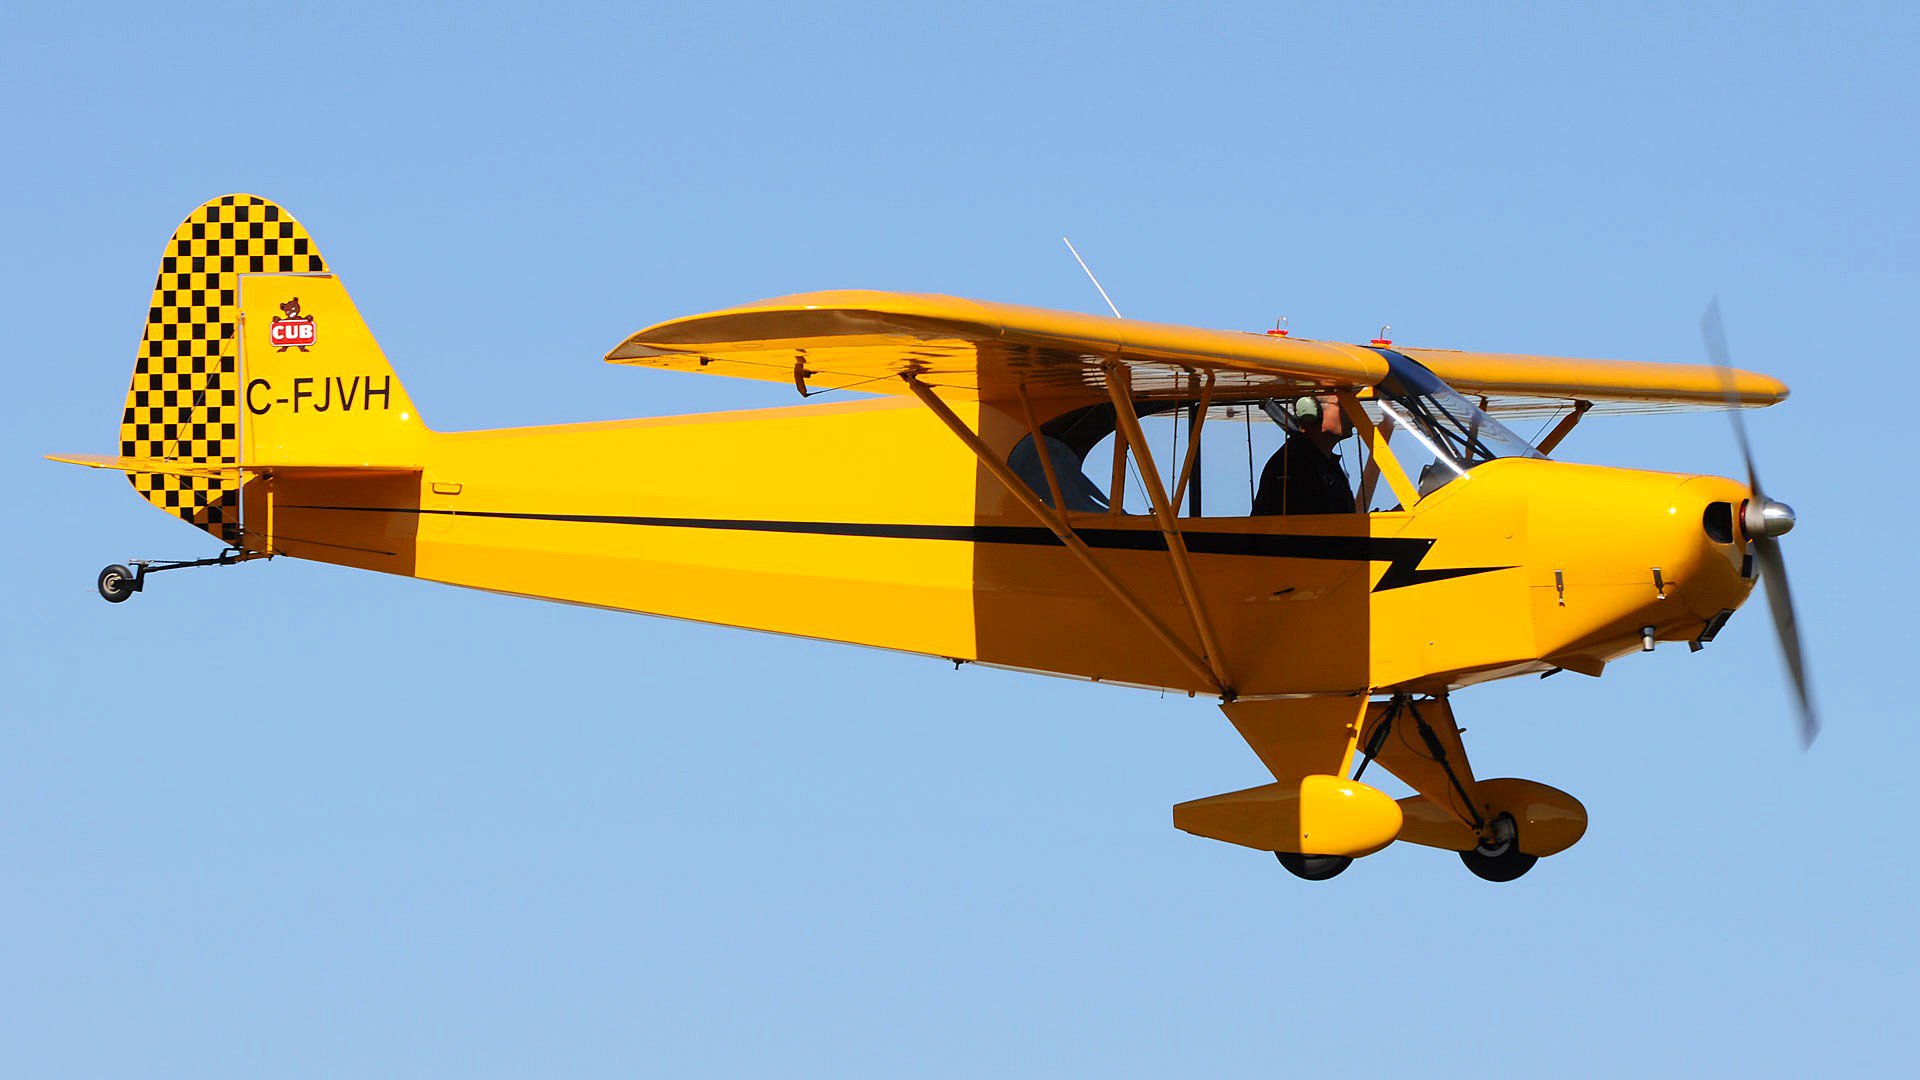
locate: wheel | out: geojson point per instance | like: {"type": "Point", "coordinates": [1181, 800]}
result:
{"type": "Point", "coordinates": [1503, 861]}
{"type": "Point", "coordinates": [115, 584]}
{"type": "Point", "coordinates": [1313, 867]}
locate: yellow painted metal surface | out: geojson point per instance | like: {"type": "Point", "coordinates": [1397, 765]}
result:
{"type": "Point", "coordinates": [1299, 736]}
{"type": "Point", "coordinates": [1428, 824]}
{"type": "Point", "coordinates": [976, 348]}
{"type": "Point", "coordinates": [234, 471]}
{"type": "Point", "coordinates": [1549, 820]}
{"type": "Point", "coordinates": [137, 465]}
{"type": "Point", "coordinates": [314, 385]}
{"type": "Point", "coordinates": [908, 548]}
{"type": "Point", "coordinates": [183, 402]}
{"type": "Point", "coordinates": [1316, 815]}
{"type": "Point", "coordinates": [1312, 808]}
{"type": "Point", "coordinates": [865, 339]}
{"type": "Point", "coordinates": [870, 522]}
{"type": "Point", "coordinates": [1512, 375]}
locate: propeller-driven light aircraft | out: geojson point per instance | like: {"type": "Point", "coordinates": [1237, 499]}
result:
{"type": "Point", "coordinates": [976, 507]}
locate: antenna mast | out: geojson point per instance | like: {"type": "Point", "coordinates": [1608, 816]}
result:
{"type": "Point", "coordinates": [1090, 277]}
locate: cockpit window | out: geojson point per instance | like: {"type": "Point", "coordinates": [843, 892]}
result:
{"type": "Point", "coordinates": [1078, 492]}
{"type": "Point", "coordinates": [1458, 433]}
{"type": "Point", "coordinates": [1437, 435]}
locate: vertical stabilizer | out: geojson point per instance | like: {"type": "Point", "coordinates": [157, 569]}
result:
{"type": "Point", "coordinates": [184, 402]}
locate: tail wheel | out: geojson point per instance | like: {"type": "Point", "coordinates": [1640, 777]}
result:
{"type": "Point", "coordinates": [1313, 867]}
{"type": "Point", "coordinates": [115, 584]}
{"type": "Point", "coordinates": [1501, 860]}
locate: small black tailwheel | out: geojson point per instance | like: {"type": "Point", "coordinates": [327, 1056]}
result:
{"type": "Point", "coordinates": [1313, 867]}
{"type": "Point", "coordinates": [115, 584]}
{"type": "Point", "coordinates": [1503, 861]}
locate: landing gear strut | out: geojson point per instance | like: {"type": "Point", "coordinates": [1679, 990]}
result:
{"type": "Point", "coordinates": [118, 583]}
{"type": "Point", "coordinates": [1498, 826]}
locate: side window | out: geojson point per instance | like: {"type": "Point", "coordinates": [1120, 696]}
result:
{"type": "Point", "coordinates": [1238, 439]}
{"type": "Point", "coordinates": [1077, 491]}
{"type": "Point", "coordinates": [1214, 487]}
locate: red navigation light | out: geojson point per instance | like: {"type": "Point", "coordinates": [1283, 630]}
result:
{"type": "Point", "coordinates": [1383, 339]}
{"type": "Point", "coordinates": [1279, 328]}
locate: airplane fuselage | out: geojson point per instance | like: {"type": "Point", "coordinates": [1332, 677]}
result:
{"type": "Point", "coordinates": [867, 522]}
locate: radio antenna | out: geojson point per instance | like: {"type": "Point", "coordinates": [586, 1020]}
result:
{"type": "Point", "coordinates": [1090, 277]}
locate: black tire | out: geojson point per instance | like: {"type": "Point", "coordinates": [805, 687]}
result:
{"type": "Point", "coordinates": [1313, 867]}
{"type": "Point", "coordinates": [1501, 862]}
{"type": "Point", "coordinates": [115, 584]}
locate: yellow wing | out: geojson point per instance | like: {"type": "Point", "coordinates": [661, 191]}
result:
{"type": "Point", "coordinates": [865, 340]}
{"type": "Point", "coordinates": [1515, 384]}
{"type": "Point", "coordinates": [858, 340]}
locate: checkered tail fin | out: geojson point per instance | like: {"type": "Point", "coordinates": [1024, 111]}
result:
{"type": "Point", "coordinates": [254, 358]}
{"type": "Point", "coordinates": [184, 404]}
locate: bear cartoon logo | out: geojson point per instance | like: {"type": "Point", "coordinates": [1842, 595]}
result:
{"type": "Point", "coordinates": [292, 330]}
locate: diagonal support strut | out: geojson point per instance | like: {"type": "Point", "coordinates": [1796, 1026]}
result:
{"type": "Point", "coordinates": [1058, 525]}
{"type": "Point", "coordinates": [1120, 389]}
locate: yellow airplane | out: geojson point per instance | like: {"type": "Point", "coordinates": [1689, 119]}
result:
{"type": "Point", "coordinates": [952, 514]}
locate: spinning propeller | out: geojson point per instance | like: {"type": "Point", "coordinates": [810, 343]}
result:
{"type": "Point", "coordinates": [1764, 521]}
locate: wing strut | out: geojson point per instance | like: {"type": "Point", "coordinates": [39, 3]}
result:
{"type": "Point", "coordinates": [1057, 523]}
{"type": "Point", "coordinates": [1564, 427]}
{"type": "Point", "coordinates": [1193, 449]}
{"type": "Point", "coordinates": [1120, 389]}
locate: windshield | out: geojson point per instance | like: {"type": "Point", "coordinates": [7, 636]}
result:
{"type": "Point", "coordinates": [1452, 428]}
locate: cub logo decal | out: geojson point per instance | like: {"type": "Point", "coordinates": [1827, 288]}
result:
{"type": "Point", "coordinates": [292, 330]}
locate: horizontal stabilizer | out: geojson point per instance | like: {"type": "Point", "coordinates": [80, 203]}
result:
{"type": "Point", "coordinates": [226, 470]}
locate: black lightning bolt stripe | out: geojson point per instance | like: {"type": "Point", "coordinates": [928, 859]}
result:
{"type": "Point", "coordinates": [1403, 555]}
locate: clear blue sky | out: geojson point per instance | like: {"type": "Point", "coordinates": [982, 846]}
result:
{"type": "Point", "coordinates": [290, 820]}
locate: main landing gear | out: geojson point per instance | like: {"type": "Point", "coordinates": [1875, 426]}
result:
{"type": "Point", "coordinates": [1499, 858]}
{"type": "Point", "coordinates": [118, 583]}
{"type": "Point", "coordinates": [1499, 827]}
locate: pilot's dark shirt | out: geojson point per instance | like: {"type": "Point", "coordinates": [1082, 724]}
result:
{"type": "Point", "coordinates": [1299, 479]}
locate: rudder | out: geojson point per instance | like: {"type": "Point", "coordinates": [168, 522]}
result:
{"type": "Point", "coordinates": [316, 387]}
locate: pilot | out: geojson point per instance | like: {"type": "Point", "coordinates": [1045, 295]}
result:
{"type": "Point", "coordinates": [1305, 476]}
